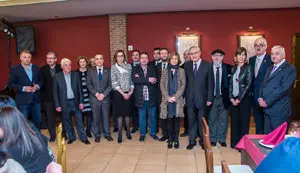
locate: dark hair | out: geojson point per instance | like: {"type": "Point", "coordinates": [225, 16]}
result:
{"type": "Point", "coordinates": [116, 53]}
{"type": "Point", "coordinates": [174, 54]}
{"type": "Point", "coordinates": [156, 48]}
{"type": "Point", "coordinates": [82, 57]}
{"type": "Point", "coordinates": [144, 53]}
{"type": "Point", "coordinates": [25, 51]}
{"type": "Point", "coordinates": [136, 51]}
{"type": "Point", "coordinates": [163, 49]}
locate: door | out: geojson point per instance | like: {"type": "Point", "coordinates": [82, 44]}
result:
{"type": "Point", "coordinates": [296, 88]}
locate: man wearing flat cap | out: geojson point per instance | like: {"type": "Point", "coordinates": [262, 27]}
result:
{"type": "Point", "coordinates": [217, 119]}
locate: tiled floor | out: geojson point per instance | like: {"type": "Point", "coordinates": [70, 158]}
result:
{"type": "Point", "coordinates": [136, 157]}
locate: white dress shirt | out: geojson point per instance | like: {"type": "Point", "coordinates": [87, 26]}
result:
{"type": "Point", "coordinates": [258, 61]}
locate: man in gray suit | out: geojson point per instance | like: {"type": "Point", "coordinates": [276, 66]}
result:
{"type": "Point", "coordinates": [99, 85]}
{"type": "Point", "coordinates": [67, 94]}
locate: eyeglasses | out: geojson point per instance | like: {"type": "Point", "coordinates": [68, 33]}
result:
{"type": "Point", "coordinates": [193, 53]}
{"type": "Point", "coordinates": [120, 56]}
{"type": "Point", "coordinates": [259, 45]}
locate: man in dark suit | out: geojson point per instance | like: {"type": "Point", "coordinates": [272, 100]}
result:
{"type": "Point", "coordinates": [26, 79]}
{"type": "Point", "coordinates": [186, 56]}
{"type": "Point", "coordinates": [99, 85]}
{"type": "Point", "coordinates": [144, 79]}
{"type": "Point", "coordinates": [48, 72]}
{"type": "Point", "coordinates": [67, 94]}
{"type": "Point", "coordinates": [275, 95]}
{"type": "Point", "coordinates": [156, 57]}
{"type": "Point", "coordinates": [218, 113]}
{"type": "Point", "coordinates": [259, 64]}
{"type": "Point", "coordinates": [135, 56]}
{"type": "Point", "coordinates": [199, 93]}
{"type": "Point", "coordinates": [164, 53]}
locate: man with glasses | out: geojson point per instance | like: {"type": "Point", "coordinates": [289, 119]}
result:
{"type": "Point", "coordinates": [259, 64]}
{"type": "Point", "coordinates": [199, 93]}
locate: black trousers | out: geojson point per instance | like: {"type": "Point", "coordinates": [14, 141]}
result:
{"type": "Point", "coordinates": [240, 120]}
{"type": "Point", "coordinates": [164, 127]}
{"type": "Point", "coordinates": [259, 118]}
{"type": "Point", "coordinates": [173, 128]}
{"type": "Point", "coordinates": [195, 123]}
{"type": "Point", "coordinates": [88, 120]}
{"type": "Point", "coordinates": [185, 120]}
{"type": "Point", "coordinates": [134, 115]}
{"type": "Point", "coordinates": [50, 116]}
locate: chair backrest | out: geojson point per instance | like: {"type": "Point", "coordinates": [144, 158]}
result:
{"type": "Point", "coordinates": [207, 148]}
{"type": "Point", "coordinates": [61, 145]}
{"type": "Point", "coordinates": [225, 168]}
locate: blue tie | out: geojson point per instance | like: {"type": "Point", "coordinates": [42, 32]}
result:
{"type": "Point", "coordinates": [100, 74]}
{"type": "Point", "coordinates": [195, 70]}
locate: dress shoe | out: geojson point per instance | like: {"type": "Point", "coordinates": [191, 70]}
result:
{"type": "Point", "coordinates": [170, 145]}
{"type": "Point", "coordinates": [223, 144]}
{"type": "Point", "coordinates": [129, 137]}
{"type": "Point", "coordinates": [163, 138]}
{"type": "Point", "coordinates": [97, 139]}
{"type": "Point", "coordinates": [184, 134]}
{"type": "Point", "coordinates": [134, 130]}
{"type": "Point", "coordinates": [88, 134]}
{"type": "Point", "coordinates": [85, 142]}
{"type": "Point", "coordinates": [190, 146]}
{"type": "Point", "coordinates": [176, 144]}
{"type": "Point", "coordinates": [120, 139]}
{"type": "Point", "coordinates": [115, 129]}
{"type": "Point", "coordinates": [155, 137]}
{"type": "Point", "coordinates": [142, 138]}
{"type": "Point", "coordinates": [213, 144]}
{"type": "Point", "coordinates": [52, 139]}
{"type": "Point", "coordinates": [70, 141]}
{"type": "Point", "coordinates": [109, 138]}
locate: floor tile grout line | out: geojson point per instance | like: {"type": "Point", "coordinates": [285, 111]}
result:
{"type": "Point", "coordinates": [111, 159]}
{"type": "Point", "coordinates": [195, 160]}
{"type": "Point", "coordinates": [139, 157]}
{"type": "Point", "coordinates": [83, 158]}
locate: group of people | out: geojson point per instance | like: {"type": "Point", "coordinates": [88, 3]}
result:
{"type": "Point", "coordinates": [159, 92]}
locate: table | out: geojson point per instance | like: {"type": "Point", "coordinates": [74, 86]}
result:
{"type": "Point", "coordinates": [251, 152]}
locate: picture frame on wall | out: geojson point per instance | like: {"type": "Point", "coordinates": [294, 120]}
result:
{"type": "Point", "coordinates": [247, 41]}
{"type": "Point", "coordinates": [184, 42]}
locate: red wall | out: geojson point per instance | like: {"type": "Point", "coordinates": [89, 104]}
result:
{"type": "Point", "coordinates": [218, 29]}
{"type": "Point", "coordinates": [69, 38]}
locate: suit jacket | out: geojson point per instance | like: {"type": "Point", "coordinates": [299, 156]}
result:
{"type": "Point", "coordinates": [276, 90]}
{"type": "Point", "coordinates": [139, 81]}
{"type": "Point", "coordinates": [179, 94]}
{"type": "Point", "coordinates": [199, 89]}
{"type": "Point", "coordinates": [94, 85]}
{"type": "Point", "coordinates": [245, 82]}
{"type": "Point", "coordinates": [256, 81]}
{"type": "Point", "coordinates": [226, 75]}
{"type": "Point", "coordinates": [47, 90]}
{"type": "Point", "coordinates": [18, 79]}
{"type": "Point", "coordinates": [60, 89]}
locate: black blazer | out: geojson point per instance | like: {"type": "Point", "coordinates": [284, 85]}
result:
{"type": "Point", "coordinates": [139, 81]}
{"type": "Point", "coordinates": [226, 75]}
{"type": "Point", "coordinates": [256, 81]}
{"type": "Point", "coordinates": [199, 89]}
{"type": "Point", "coordinates": [276, 90]}
{"type": "Point", "coordinates": [47, 90]}
{"type": "Point", "coordinates": [60, 89]}
{"type": "Point", "coordinates": [18, 79]}
{"type": "Point", "coordinates": [245, 82]}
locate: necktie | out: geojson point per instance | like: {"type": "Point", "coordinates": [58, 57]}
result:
{"type": "Point", "coordinates": [195, 70]}
{"type": "Point", "coordinates": [256, 66]}
{"type": "Point", "coordinates": [218, 82]}
{"type": "Point", "coordinates": [164, 66]}
{"type": "Point", "coordinates": [274, 69]}
{"type": "Point", "coordinates": [100, 74]}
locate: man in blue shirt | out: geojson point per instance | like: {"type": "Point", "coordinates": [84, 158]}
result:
{"type": "Point", "coordinates": [26, 79]}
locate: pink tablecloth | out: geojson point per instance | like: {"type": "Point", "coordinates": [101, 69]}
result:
{"type": "Point", "coordinates": [246, 144]}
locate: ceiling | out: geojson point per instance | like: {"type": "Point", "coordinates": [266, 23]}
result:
{"type": "Point", "coordinates": [76, 8]}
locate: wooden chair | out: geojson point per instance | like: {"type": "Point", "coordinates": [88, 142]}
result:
{"type": "Point", "coordinates": [225, 168]}
{"type": "Point", "coordinates": [61, 145]}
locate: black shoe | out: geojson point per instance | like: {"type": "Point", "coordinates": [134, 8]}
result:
{"type": "Point", "coordinates": [155, 137]}
{"type": "Point", "coordinates": [115, 129]}
{"type": "Point", "coordinates": [52, 139]}
{"type": "Point", "coordinates": [134, 130]}
{"type": "Point", "coordinates": [70, 141]}
{"type": "Point", "coordinates": [176, 144]}
{"type": "Point", "coordinates": [170, 145]}
{"type": "Point", "coordinates": [85, 142]}
{"type": "Point", "coordinates": [184, 134]}
{"type": "Point", "coordinates": [120, 139]}
{"type": "Point", "coordinates": [97, 139]}
{"type": "Point", "coordinates": [190, 146]}
{"type": "Point", "coordinates": [142, 138]}
{"type": "Point", "coordinates": [129, 137]}
{"type": "Point", "coordinates": [213, 144]}
{"type": "Point", "coordinates": [109, 138]}
{"type": "Point", "coordinates": [163, 138]}
{"type": "Point", "coordinates": [88, 134]}
{"type": "Point", "coordinates": [202, 146]}
{"type": "Point", "coordinates": [223, 144]}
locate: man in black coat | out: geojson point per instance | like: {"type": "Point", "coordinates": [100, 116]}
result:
{"type": "Point", "coordinates": [199, 93]}
{"type": "Point", "coordinates": [48, 73]}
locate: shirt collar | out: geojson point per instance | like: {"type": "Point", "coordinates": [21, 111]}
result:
{"type": "Point", "coordinates": [279, 64]}
{"type": "Point", "coordinates": [198, 62]}
{"type": "Point", "coordinates": [262, 56]}
{"type": "Point", "coordinates": [30, 66]}
{"type": "Point", "coordinates": [99, 68]}
{"type": "Point", "coordinates": [215, 66]}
